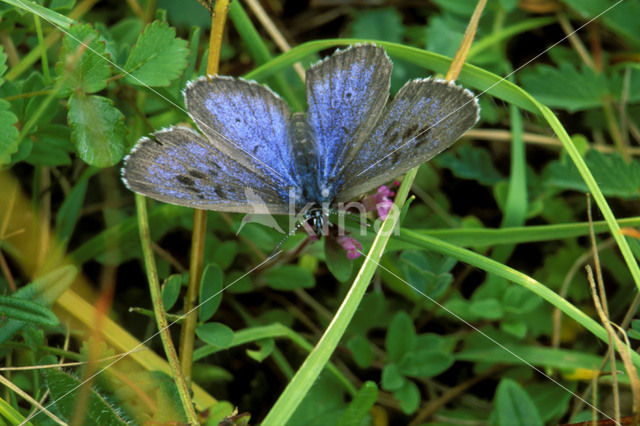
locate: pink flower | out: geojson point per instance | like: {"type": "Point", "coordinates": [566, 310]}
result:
{"type": "Point", "coordinates": [380, 201]}
{"type": "Point", "coordinates": [351, 246]}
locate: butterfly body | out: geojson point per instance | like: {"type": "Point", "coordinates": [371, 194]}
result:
{"type": "Point", "coordinates": [252, 150]}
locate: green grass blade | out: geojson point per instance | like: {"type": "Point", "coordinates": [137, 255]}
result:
{"type": "Point", "coordinates": [510, 274]}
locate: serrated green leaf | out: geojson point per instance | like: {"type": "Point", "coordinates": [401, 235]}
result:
{"type": "Point", "coordinates": [514, 407]}
{"type": "Point", "coordinates": [215, 333]}
{"type": "Point", "coordinates": [622, 18]}
{"type": "Point", "coordinates": [82, 65]}
{"type": "Point", "coordinates": [289, 277]}
{"type": "Point", "coordinates": [97, 129]}
{"type": "Point", "coordinates": [615, 176]}
{"type": "Point", "coordinates": [470, 162]}
{"type": "Point", "coordinates": [360, 405]}
{"type": "Point", "coordinates": [158, 56]}
{"type": "Point", "coordinates": [210, 291]}
{"type": "Point", "coordinates": [401, 336]}
{"type": "Point", "coordinates": [65, 390]}
{"type": "Point", "coordinates": [8, 132]}
{"type": "Point", "coordinates": [566, 87]}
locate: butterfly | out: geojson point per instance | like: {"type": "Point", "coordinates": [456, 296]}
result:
{"type": "Point", "coordinates": [251, 147]}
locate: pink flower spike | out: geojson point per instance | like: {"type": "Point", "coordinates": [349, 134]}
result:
{"type": "Point", "coordinates": [351, 246]}
{"type": "Point", "coordinates": [383, 208]}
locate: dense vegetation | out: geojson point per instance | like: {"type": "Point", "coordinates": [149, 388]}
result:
{"type": "Point", "coordinates": [479, 310]}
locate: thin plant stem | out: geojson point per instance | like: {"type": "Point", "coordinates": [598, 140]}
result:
{"type": "Point", "coordinates": [187, 335]}
{"type": "Point", "coordinates": [159, 311]}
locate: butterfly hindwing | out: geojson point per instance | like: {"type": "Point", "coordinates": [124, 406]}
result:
{"type": "Point", "coordinates": [181, 167]}
{"type": "Point", "coordinates": [424, 118]}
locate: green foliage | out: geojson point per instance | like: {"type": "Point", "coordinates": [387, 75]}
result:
{"type": "Point", "coordinates": [566, 87]}
{"type": "Point", "coordinates": [157, 58]}
{"type": "Point", "coordinates": [97, 129]}
{"type": "Point", "coordinates": [215, 334]}
{"type": "Point", "coordinates": [615, 176]}
{"type": "Point", "coordinates": [470, 162]}
{"type": "Point", "coordinates": [289, 277]}
{"type": "Point", "coordinates": [513, 406]}
{"type": "Point", "coordinates": [210, 291]}
{"type": "Point", "coordinates": [65, 389]}
{"type": "Point", "coordinates": [75, 98]}
{"type": "Point", "coordinates": [83, 65]}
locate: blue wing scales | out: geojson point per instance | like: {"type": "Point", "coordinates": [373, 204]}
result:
{"type": "Point", "coordinates": [346, 94]}
{"type": "Point", "coordinates": [247, 121]}
{"type": "Point", "coordinates": [426, 117]}
{"type": "Point", "coordinates": [181, 167]}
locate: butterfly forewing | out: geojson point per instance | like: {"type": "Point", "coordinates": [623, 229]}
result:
{"type": "Point", "coordinates": [181, 167]}
{"type": "Point", "coordinates": [253, 152]}
{"type": "Point", "coordinates": [247, 121]}
{"type": "Point", "coordinates": [346, 94]}
{"type": "Point", "coordinates": [425, 117]}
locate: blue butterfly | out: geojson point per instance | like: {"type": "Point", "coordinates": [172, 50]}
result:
{"type": "Point", "coordinates": [251, 147]}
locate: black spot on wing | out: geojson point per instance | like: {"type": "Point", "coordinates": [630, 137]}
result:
{"type": "Point", "coordinates": [197, 174]}
{"type": "Point", "coordinates": [185, 180]}
{"type": "Point", "coordinates": [410, 132]}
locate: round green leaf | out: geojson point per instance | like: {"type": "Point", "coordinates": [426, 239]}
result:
{"type": "Point", "coordinates": [97, 129]}
{"type": "Point", "coordinates": [514, 407]}
{"type": "Point", "coordinates": [210, 291]}
{"type": "Point", "coordinates": [216, 334]}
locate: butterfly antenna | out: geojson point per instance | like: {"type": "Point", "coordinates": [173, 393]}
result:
{"type": "Point", "coordinates": [286, 237]}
